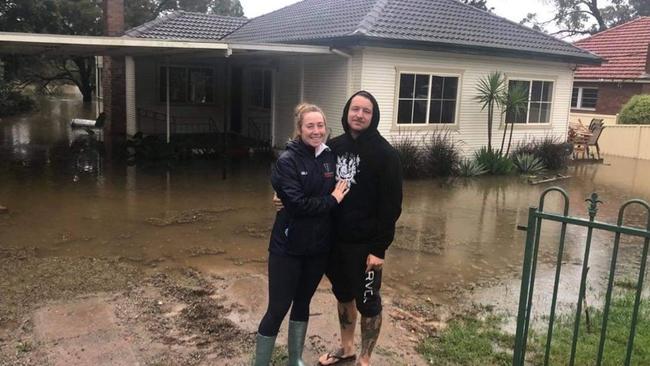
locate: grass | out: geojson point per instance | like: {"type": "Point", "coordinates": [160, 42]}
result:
{"type": "Point", "coordinates": [618, 329]}
{"type": "Point", "coordinates": [469, 341]}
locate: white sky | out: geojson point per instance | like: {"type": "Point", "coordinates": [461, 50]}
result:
{"type": "Point", "coordinates": [514, 10]}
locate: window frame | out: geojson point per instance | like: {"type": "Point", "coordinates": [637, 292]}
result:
{"type": "Point", "coordinates": [580, 97]}
{"type": "Point", "coordinates": [188, 86]}
{"type": "Point", "coordinates": [530, 79]}
{"type": "Point", "coordinates": [399, 71]}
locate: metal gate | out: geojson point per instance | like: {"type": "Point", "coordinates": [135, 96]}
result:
{"type": "Point", "coordinates": [536, 216]}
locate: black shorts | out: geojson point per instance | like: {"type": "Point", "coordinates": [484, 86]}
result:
{"type": "Point", "coordinates": [346, 271]}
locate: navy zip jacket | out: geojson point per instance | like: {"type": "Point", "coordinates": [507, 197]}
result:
{"type": "Point", "coordinates": [370, 210]}
{"type": "Point", "coordinates": [304, 182]}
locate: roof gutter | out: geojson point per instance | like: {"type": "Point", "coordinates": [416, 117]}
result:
{"type": "Point", "coordinates": [357, 40]}
{"type": "Point", "coordinates": [338, 52]}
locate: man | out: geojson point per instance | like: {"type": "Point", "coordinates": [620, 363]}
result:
{"type": "Point", "coordinates": [364, 225]}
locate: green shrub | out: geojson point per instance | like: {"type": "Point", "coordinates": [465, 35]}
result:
{"type": "Point", "coordinates": [551, 150]}
{"type": "Point", "coordinates": [440, 154]}
{"type": "Point", "coordinates": [495, 163]}
{"type": "Point", "coordinates": [13, 102]}
{"type": "Point", "coordinates": [528, 164]}
{"type": "Point", "coordinates": [470, 168]}
{"type": "Point", "coordinates": [636, 111]}
{"type": "Point", "coordinates": [410, 156]}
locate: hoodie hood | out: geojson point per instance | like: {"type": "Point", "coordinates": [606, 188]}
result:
{"type": "Point", "coordinates": [374, 122]}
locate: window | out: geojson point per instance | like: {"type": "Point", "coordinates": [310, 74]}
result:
{"type": "Point", "coordinates": [584, 98]}
{"type": "Point", "coordinates": [540, 96]}
{"type": "Point", "coordinates": [191, 85]}
{"type": "Point", "coordinates": [427, 99]}
{"type": "Point", "coordinates": [260, 86]}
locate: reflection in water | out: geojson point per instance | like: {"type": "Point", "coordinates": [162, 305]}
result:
{"type": "Point", "coordinates": [452, 233]}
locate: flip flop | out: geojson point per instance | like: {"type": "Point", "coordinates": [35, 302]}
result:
{"type": "Point", "coordinates": [338, 357]}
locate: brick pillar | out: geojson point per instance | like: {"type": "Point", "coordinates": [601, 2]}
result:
{"type": "Point", "coordinates": [114, 85]}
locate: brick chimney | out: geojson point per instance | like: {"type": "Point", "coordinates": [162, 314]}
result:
{"type": "Point", "coordinates": [113, 77]}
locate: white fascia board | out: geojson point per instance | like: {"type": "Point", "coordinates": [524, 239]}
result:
{"type": "Point", "coordinates": [630, 81]}
{"type": "Point", "coordinates": [99, 41]}
{"type": "Point", "coordinates": [279, 47]}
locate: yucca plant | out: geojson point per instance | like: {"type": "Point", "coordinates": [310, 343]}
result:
{"type": "Point", "coordinates": [491, 91]}
{"type": "Point", "coordinates": [495, 163]}
{"type": "Point", "coordinates": [528, 164]}
{"type": "Point", "coordinates": [470, 168]}
{"type": "Point", "coordinates": [516, 102]}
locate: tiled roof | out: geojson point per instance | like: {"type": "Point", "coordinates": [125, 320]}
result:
{"type": "Point", "coordinates": [187, 25]}
{"type": "Point", "coordinates": [440, 22]}
{"type": "Point", "coordinates": [307, 21]}
{"type": "Point", "coordinates": [625, 49]}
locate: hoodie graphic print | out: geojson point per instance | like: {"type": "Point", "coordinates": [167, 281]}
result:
{"type": "Point", "coordinates": [347, 167]}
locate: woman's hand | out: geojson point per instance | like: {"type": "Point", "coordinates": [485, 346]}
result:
{"type": "Point", "coordinates": [277, 203]}
{"type": "Point", "coordinates": [340, 190]}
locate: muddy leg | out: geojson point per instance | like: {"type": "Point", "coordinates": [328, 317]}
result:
{"type": "Point", "coordinates": [347, 321]}
{"type": "Point", "coordinates": [370, 328]}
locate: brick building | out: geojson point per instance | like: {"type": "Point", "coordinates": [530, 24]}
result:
{"type": "Point", "coordinates": [603, 89]}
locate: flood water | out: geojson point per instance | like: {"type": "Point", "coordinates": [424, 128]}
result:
{"type": "Point", "coordinates": [452, 233]}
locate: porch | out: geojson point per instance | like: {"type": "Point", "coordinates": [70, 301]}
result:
{"type": "Point", "coordinates": [201, 91]}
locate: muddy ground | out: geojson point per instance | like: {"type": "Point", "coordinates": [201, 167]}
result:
{"type": "Point", "coordinates": [124, 311]}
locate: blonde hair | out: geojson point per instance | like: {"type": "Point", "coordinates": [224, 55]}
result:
{"type": "Point", "coordinates": [299, 114]}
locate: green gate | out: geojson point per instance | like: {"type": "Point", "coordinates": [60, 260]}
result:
{"type": "Point", "coordinates": [536, 216]}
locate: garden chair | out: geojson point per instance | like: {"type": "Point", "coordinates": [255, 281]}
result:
{"type": "Point", "coordinates": [596, 128]}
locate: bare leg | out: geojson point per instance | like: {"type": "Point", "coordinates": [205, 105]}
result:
{"type": "Point", "coordinates": [347, 321]}
{"type": "Point", "coordinates": [370, 328]}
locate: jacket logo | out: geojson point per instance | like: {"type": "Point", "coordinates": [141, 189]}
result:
{"type": "Point", "coordinates": [347, 167]}
{"type": "Point", "coordinates": [303, 173]}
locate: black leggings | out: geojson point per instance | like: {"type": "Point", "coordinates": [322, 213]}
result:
{"type": "Point", "coordinates": [292, 280]}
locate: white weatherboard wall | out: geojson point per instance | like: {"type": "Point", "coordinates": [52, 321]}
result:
{"type": "Point", "coordinates": [326, 85]}
{"type": "Point", "coordinates": [379, 76]}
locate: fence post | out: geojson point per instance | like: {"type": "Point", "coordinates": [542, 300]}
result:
{"type": "Point", "coordinates": [520, 337]}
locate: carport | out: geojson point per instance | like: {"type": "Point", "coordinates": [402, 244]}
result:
{"type": "Point", "coordinates": [131, 49]}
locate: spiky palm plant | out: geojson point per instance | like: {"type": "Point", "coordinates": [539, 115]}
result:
{"type": "Point", "coordinates": [491, 91]}
{"type": "Point", "coordinates": [470, 168]}
{"type": "Point", "coordinates": [528, 164]}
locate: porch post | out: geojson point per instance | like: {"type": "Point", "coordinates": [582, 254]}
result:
{"type": "Point", "coordinates": [99, 98]}
{"type": "Point", "coordinates": [274, 109]}
{"type": "Point", "coordinates": [167, 98]}
{"type": "Point", "coordinates": [131, 122]}
{"type": "Point", "coordinates": [302, 79]}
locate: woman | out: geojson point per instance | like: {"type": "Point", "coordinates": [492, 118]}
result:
{"type": "Point", "coordinates": [304, 179]}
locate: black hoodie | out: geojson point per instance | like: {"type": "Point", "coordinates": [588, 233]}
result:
{"type": "Point", "coordinates": [368, 213]}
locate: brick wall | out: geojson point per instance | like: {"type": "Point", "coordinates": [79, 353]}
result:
{"type": "Point", "coordinates": [114, 86]}
{"type": "Point", "coordinates": [612, 96]}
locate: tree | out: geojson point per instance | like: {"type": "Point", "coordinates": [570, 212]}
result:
{"type": "Point", "coordinates": [141, 11]}
{"type": "Point", "coordinates": [586, 17]}
{"type": "Point", "coordinates": [490, 94]}
{"type": "Point", "coordinates": [515, 102]}
{"type": "Point", "coordinates": [481, 4]}
{"type": "Point", "coordinates": [83, 17]}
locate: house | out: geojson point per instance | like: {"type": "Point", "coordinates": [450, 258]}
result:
{"type": "Point", "coordinates": [599, 91]}
{"type": "Point", "coordinates": [422, 59]}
